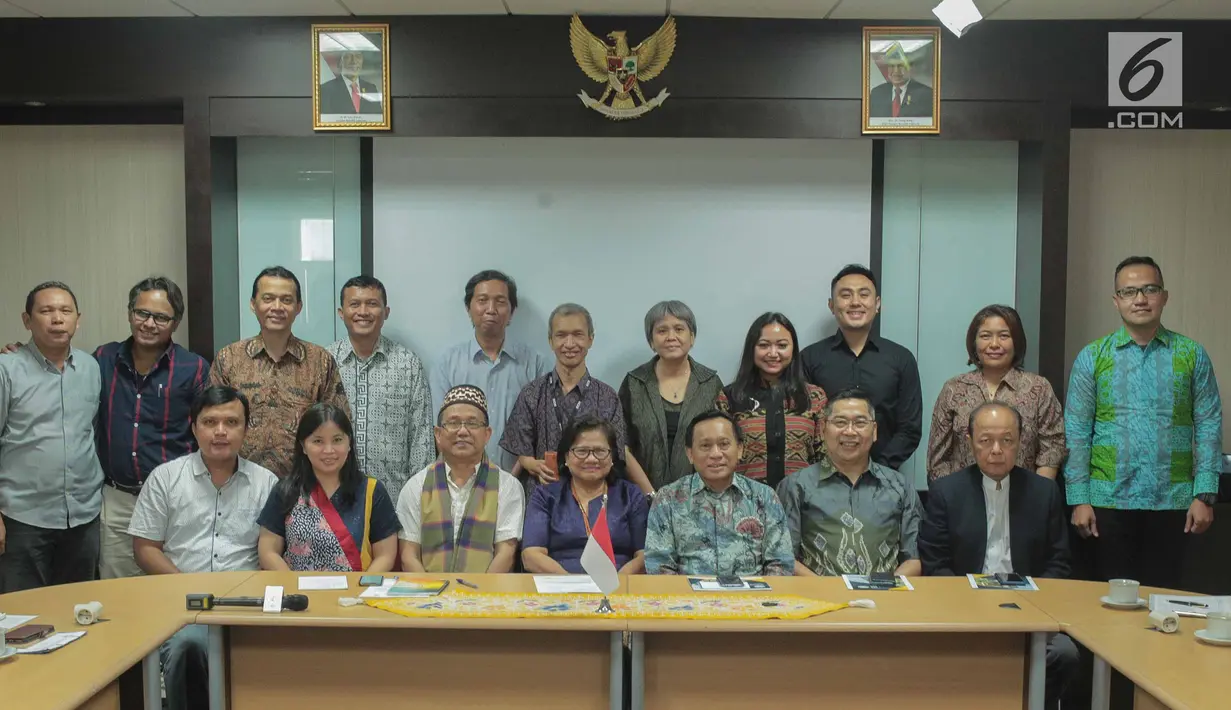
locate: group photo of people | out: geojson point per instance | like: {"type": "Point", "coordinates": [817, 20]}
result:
{"type": "Point", "coordinates": [141, 457]}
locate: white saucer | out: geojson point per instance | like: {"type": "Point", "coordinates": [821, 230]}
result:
{"type": "Point", "coordinates": [8, 652]}
{"type": "Point", "coordinates": [1122, 605]}
{"type": "Point", "coordinates": [1204, 637]}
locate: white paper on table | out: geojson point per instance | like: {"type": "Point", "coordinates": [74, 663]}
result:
{"type": "Point", "coordinates": [53, 642]}
{"type": "Point", "coordinates": [381, 592]}
{"type": "Point", "coordinates": [12, 621]}
{"type": "Point", "coordinates": [316, 584]}
{"type": "Point", "coordinates": [711, 585]}
{"type": "Point", "coordinates": [1198, 606]}
{"type": "Point", "coordinates": [565, 584]}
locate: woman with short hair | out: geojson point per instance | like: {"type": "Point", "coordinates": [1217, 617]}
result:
{"type": "Point", "coordinates": [663, 395]}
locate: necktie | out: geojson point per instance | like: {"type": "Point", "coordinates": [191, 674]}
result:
{"type": "Point", "coordinates": [354, 97]}
{"type": "Point", "coordinates": [897, 101]}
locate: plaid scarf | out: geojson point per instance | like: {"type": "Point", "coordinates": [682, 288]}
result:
{"type": "Point", "coordinates": [473, 547]}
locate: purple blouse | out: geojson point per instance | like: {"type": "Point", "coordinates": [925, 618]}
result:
{"type": "Point", "coordinates": [553, 521]}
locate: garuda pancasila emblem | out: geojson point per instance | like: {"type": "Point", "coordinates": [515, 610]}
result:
{"type": "Point", "coordinates": [621, 68]}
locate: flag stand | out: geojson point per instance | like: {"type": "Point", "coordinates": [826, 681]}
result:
{"type": "Point", "coordinates": [604, 607]}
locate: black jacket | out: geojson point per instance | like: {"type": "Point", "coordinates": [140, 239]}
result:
{"type": "Point", "coordinates": [953, 536]}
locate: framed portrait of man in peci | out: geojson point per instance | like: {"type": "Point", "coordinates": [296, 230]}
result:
{"type": "Point", "coordinates": [901, 80]}
{"type": "Point", "coordinates": [350, 72]}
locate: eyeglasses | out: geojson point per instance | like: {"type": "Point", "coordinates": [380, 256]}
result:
{"type": "Point", "coordinates": [584, 452]}
{"type": "Point", "coordinates": [453, 426]}
{"type": "Point", "coordinates": [1128, 293]}
{"type": "Point", "coordinates": [141, 315]}
{"type": "Point", "coordinates": [859, 424]}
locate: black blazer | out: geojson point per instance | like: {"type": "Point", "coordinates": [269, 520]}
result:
{"type": "Point", "coordinates": [880, 101]}
{"type": "Point", "coordinates": [953, 536]}
{"type": "Point", "coordinates": [336, 98]}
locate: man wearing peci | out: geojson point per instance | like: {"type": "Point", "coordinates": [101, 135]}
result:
{"type": "Point", "coordinates": [386, 386]}
{"type": "Point", "coordinates": [347, 93]}
{"type": "Point", "coordinates": [853, 358]}
{"type": "Point", "coordinates": [996, 517]}
{"type": "Point", "coordinates": [489, 360]}
{"type": "Point", "coordinates": [901, 95]}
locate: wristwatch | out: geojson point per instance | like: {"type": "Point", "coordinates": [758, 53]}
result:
{"type": "Point", "coordinates": [1207, 498]}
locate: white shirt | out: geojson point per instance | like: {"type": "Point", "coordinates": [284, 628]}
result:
{"type": "Point", "coordinates": [203, 528]}
{"type": "Point", "coordinates": [997, 558]}
{"type": "Point", "coordinates": [509, 505]}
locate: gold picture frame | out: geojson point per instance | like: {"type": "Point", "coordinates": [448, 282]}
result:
{"type": "Point", "coordinates": [350, 77]}
{"type": "Point", "coordinates": [901, 80]}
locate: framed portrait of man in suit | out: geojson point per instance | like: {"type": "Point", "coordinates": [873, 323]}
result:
{"type": "Point", "coordinates": [901, 80]}
{"type": "Point", "coordinates": [350, 72]}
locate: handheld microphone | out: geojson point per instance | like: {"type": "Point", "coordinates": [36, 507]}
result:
{"type": "Point", "coordinates": [207, 602]}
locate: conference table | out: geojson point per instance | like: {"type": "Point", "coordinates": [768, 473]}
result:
{"type": "Point", "coordinates": [941, 645]}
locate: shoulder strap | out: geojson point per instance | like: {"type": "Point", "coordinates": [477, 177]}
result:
{"type": "Point", "coordinates": [365, 550]}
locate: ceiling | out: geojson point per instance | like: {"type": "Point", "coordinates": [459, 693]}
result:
{"type": "Point", "coordinates": [832, 9]}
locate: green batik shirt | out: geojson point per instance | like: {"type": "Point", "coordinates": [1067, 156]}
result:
{"type": "Point", "coordinates": [1143, 424]}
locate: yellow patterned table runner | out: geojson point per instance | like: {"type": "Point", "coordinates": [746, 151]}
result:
{"type": "Point", "coordinates": [515, 605]}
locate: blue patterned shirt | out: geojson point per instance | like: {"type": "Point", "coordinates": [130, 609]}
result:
{"type": "Point", "coordinates": [741, 531]}
{"type": "Point", "coordinates": [1144, 424]}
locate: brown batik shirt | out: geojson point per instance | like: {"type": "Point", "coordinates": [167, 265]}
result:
{"type": "Point", "coordinates": [278, 393]}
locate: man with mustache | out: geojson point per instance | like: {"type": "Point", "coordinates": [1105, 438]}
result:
{"type": "Point", "coordinates": [280, 374]}
{"type": "Point", "coordinates": [50, 479]}
{"type": "Point", "coordinates": [386, 386]}
{"type": "Point", "coordinates": [1144, 428]}
{"type": "Point", "coordinates": [548, 404]}
{"type": "Point", "coordinates": [854, 358]}
{"type": "Point", "coordinates": [347, 93]}
{"type": "Point", "coordinates": [848, 514]}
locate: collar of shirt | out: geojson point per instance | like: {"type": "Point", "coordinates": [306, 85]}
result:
{"type": "Point", "coordinates": [1122, 338]}
{"type": "Point", "coordinates": [1014, 379]}
{"type": "Point", "coordinates": [294, 348]}
{"type": "Point", "coordinates": [453, 486]}
{"type": "Point", "coordinates": [346, 350]}
{"type": "Point", "coordinates": [48, 364]}
{"type": "Point", "coordinates": [200, 469]}
{"type": "Point", "coordinates": [993, 488]}
{"type": "Point", "coordinates": [125, 355]}
{"type": "Point", "coordinates": [905, 87]}
{"type": "Point", "coordinates": [839, 342]}
{"type": "Point", "coordinates": [505, 351]}
{"type": "Point", "coordinates": [553, 379]}
{"type": "Point", "coordinates": [739, 487]}
{"type": "Point", "coordinates": [828, 470]}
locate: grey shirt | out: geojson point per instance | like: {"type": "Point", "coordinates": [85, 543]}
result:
{"type": "Point", "coordinates": [203, 528]}
{"type": "Point", "coordinates": [839, 528]}
{"type": "Point", "coordinates": [502, 380]}
{"type": "Point", "coordinates": [49, 471]}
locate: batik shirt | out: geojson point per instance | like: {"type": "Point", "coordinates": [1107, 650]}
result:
{"type": "Point", "coordinates": [1143, 424]}
{"type": "Point", "coordinates": [391, 401]}
{"type": "Point", "coordinates": [741, 531]}
{"type": "Point", "coordinates": [838, 527]}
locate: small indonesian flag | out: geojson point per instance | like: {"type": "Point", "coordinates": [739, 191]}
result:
{"type": "Point", "coordinates": [597, 559]}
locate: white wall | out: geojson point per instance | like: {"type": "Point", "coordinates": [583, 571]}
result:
{"type": "Point", "coordinates": [731, 227]}
{"type": "Point", "coordinates": [97, 207]}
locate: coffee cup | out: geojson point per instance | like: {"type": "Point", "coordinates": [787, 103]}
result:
{"type": "Point", "coordinates": [1123, 591]}
{"type": "Point", "coordinates": [1218, 625]}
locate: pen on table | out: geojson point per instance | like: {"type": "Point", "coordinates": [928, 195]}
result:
{"type": "Point", "coordinates": [1177, 601]}
{"type": "Point", "coordinates": [464, 583]}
